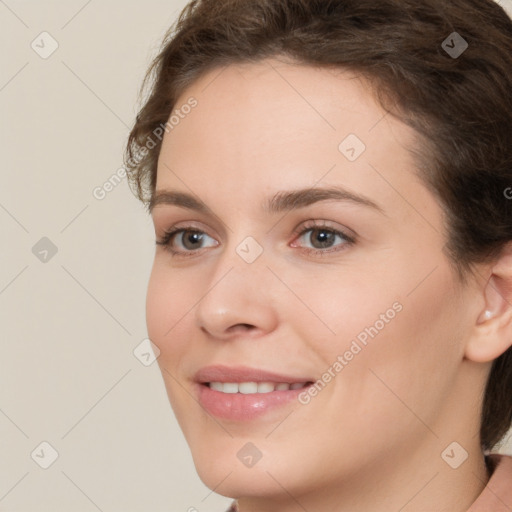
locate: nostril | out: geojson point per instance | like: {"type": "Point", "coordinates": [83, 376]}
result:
{"type": "Point", "coordinates": [245, 327]}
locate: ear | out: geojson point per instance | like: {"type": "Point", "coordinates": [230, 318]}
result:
{"type": "Point", "coordinates": [492, 333]}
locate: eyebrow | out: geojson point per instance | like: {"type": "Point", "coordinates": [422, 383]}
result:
{"type": "Point", "coordinates": [282, 201]}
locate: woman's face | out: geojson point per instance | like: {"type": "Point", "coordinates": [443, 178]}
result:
{"type": "Point", "coordinates": [353, 291]}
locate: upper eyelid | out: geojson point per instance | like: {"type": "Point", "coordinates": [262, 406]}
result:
{"type": "Point", "coordinates": [306, 224]}
{"type": "Point", "coordinates": [185, 225]}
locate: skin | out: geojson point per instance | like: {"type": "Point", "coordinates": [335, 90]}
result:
{"type": "Point", "coordinates": [372, 439]}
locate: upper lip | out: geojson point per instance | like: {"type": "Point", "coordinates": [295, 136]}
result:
{"type": "Point", "coordinates": [220, 373]}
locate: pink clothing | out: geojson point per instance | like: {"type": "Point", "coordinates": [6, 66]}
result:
{"type": "Point", "coordinates": [497, 494]}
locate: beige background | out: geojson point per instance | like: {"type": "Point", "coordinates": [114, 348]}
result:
{"type": "Point", "coordinates": [70, 324]}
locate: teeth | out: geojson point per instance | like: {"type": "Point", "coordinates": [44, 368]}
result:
{"type": "Point", "coordinates": [217, 386]}
{"type": "Point", "coordinates": [254, 387]}
{"type": "Point", "coordinates": [247, 387]}
{"type": "Point", "coordinates": [230, 387]}
{"type": "Point", "coordinates": [266, 387]}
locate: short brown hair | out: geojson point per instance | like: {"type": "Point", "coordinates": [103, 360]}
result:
{"type": "Point", "coordinates": [459, 105]}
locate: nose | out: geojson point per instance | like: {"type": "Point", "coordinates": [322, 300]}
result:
{"type": "Point", "coordinates": [239, 299]}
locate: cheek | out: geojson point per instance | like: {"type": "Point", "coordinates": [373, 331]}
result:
{"type": "Point", "coordinates": [157, 301]}
{"type": "Point", "coordinates": [405, 332]}
{"type": "Point", "coordinates": [413, 360]}
{"type": "Point", "coordinates": [340, 307]}
{"type": "Point", "coordinates": [166, 306]}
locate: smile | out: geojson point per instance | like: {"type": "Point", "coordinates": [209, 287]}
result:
{"type": "Point", "coordinates": [255, 387]}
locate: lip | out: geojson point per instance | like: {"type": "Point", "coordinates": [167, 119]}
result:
{"type": "Point", "coordinates": [220, 373]}
{"type": "Point", "coordinates": [239, 406]}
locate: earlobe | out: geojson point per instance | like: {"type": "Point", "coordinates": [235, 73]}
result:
{"type": "Point", "coordinates": [486, 315]}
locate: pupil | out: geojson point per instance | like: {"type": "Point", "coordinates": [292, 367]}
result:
{"type": "Point", "coordinates": [193, 237]}
{"type": "Point", "coordinates": [324, 237]}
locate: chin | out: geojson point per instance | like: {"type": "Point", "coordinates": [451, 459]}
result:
{"type": "Point", "coordinates": [232, 481]}
{"type": "Point", "coordinates": [221, 467]}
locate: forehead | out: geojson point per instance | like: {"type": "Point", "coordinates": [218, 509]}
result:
{"type": "Point", "coordinates": [271, 95]}
{"type": "Point", "coordinates": [272, 125]}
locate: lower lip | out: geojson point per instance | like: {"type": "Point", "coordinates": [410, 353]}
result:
{"type": "Point", "coordinates": [244, 407]}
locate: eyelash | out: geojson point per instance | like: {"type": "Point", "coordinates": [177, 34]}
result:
{"type": "Point", "coordinates": [349, 240]}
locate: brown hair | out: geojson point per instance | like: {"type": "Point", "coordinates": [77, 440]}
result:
{"type": "Point", "coordinates": [459, 105]}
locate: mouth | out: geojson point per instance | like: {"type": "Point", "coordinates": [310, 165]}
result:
{"type": "Point", "coordinates": [245, 394]}
{"type": "Point", "coordinates": [252, 387]}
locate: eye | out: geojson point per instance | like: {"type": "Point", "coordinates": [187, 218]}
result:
{"type": "Point", "coordinates": [321, 236]}
{"type": "Point", "coordinates": [190, 239]}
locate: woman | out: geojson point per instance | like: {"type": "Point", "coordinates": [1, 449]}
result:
{"type": "Point", "coordinates": [331, 294]}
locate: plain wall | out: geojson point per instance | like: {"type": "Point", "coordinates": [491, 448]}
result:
{"type": "Point", "coordinates": [71, 319]}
